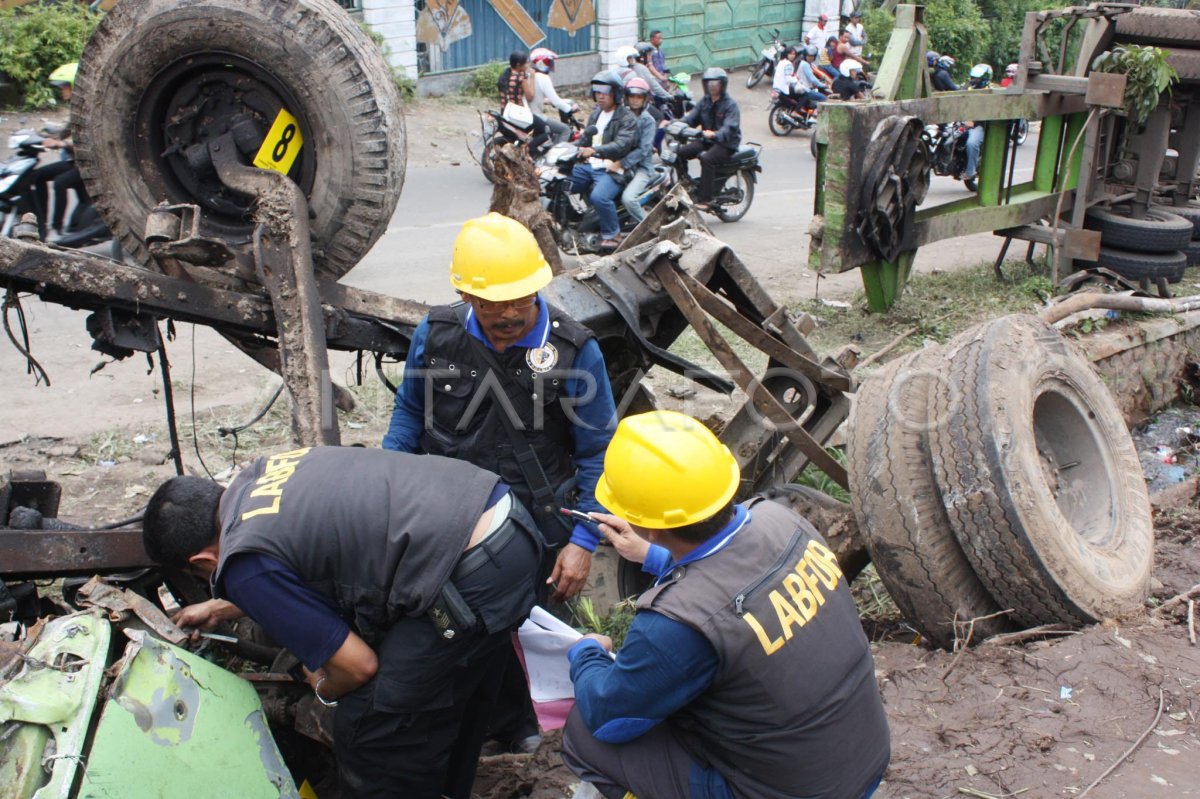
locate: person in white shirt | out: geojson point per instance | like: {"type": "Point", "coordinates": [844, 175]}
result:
{"type": "Point", "coordinates": [542, 60]}
{"type": "Point", "coordinates": [858, 35]}
{"type": "Point", "coordinates": [795, 89]}
{"type": "Point", "coordinates": [819, 34]}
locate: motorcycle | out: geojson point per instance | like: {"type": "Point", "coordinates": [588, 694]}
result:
{"type": "Point", "coordinates": [17, 197]}
{"type": "Point", "coordinates": [784, 115]}
{"type": "Point", "coordinates": [947, 145]}
{"type": "Point", "coordinates": [733, 191]}
{"type": "Point", "coordinates": [576, 224]}
{"type": "Point", "coordinates": [498, 130]}
{"type": "Point", "coordinates": [766, 64]}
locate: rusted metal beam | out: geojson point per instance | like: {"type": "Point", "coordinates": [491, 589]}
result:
{"type": "Point", "coordinates": [767, 403]}
{"type": "Point", "coordinates": [34, 553]}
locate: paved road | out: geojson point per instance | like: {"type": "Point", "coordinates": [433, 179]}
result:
{"type": "Point", "coordinates": [412, 257]}
{"type": "Point", "coordinates": [411, 260]}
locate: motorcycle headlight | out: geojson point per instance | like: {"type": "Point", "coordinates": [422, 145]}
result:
{"type": "Point", "coordinates": [7, 182]}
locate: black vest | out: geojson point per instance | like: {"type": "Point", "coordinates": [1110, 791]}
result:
{"type": "Point", "coordinates": [375, 531]}
{"type": "Point", "coordinates": [462, 411]}
{"type": "Point", "coordinates": [794, 711]}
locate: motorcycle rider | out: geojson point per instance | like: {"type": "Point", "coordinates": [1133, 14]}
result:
{"type": "Point", "coordinates": [794, 90]}
{"type": "Point", "coordinates": [542, 60]}
{"type": "Point", "coordinates": [635, 59]}
{"type": "Point", "coordinates": [64, 174]}
{"type": "Point", "coordinates": [980, 78]}
{"type": "Point", "coordinates": [851, 84]}
{"type": "Point", "coordinates": [1010, 74]}
{"type": "Point", "coordinates": [807, 70]}
{"type": "Point", "coordinates": [610, 135]}
{"type": "Point", "coordinates": [658, 60]}
{"type": "Point", "coordinates": [516, 87]}
{"type": "Point", "coordinates": [720, 119]}
{"type": "Point", "coordinates": [942, 80]}
{"type": "Point", "coordinates": [638, 166]}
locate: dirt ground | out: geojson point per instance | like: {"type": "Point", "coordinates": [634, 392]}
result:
{"type": "Point", "coordinates": [1031, 719]}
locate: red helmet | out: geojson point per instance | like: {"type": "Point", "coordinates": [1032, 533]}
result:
{"type": "Point", "coordinates": [542, 59]}
{"type": "Point", "coordinates": [636, 85]}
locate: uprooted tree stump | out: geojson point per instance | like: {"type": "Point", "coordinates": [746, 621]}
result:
{"type": "Point", "coordinates": [517, 194]}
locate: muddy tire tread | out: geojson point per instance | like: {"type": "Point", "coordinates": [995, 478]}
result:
{"type": "Point", "coordinates": [992, 539]}
{"type": "Point", "coordinates": [369, 178]}
{"type": "Point", "coordinates": [901, 517]}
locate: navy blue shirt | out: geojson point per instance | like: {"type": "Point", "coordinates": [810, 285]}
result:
{"type": "Point", "coordinates": [663, 665]}
{"type": "Point", "coordinates": [595, 413]}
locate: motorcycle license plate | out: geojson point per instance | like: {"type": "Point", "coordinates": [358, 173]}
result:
{"type": "Point", "coordinates": [282, 144]}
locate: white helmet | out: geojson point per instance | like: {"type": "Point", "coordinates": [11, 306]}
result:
{"type": "Point", "coordinates": [849, 67]}
{"type": "Point", "coordinates": [542, 59]}
{"type": "Point", "coordinates": [625, 53]}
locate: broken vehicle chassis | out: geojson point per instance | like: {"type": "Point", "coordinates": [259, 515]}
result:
{"type": "Point", "coordinates": [637, 303]}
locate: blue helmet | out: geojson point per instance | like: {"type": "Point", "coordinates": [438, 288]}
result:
{"type": "Point", "coordinates": [930, 58]}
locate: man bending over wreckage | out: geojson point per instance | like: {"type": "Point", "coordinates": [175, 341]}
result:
{"type": "Point", "coordinates": [399, 603]}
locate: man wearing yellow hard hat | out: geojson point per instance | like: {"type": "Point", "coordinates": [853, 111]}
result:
{"type": "Point", "coordinates": [745, 672]}
{"type": "Point", "coordinates": [513, 385]}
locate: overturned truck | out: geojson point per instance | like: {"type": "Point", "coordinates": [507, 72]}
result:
{"type": "Point", "coordinates": [248, 154]}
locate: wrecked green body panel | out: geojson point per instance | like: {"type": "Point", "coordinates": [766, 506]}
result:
{"type": "Point", "coordinates": [170, 723]}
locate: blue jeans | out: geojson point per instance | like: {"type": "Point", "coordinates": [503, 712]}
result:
{"type": "Point", "coordinates": [603, 196]}
{"type": "Point", "coordinates": [636, 185]}
{"type": "Point", "coordinates": [974, 145]}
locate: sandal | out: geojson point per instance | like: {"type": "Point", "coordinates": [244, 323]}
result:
{"type": "Point", "coordinates": [608, 245]}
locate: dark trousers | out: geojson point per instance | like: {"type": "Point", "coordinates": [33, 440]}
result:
{"type": "Point", "coordinates": [39, 181]}
{"type": "Point", "coordinates": [711, 155]}
{"type": "Point", "coordinates": [416, 729]}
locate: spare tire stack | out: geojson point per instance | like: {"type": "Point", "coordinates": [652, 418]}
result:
{"type": "Point", "coordinates": [996, 486]}
{"type": "Point", "coordinates": [1191, 212]}
{"type": "Point", "coordinates": [1149, 249]}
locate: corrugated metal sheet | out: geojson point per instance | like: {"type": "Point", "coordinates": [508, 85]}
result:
{"type": "Point", "coordinates": [724, 33]}
{"type": "Point", "coordinates": [469, 33]}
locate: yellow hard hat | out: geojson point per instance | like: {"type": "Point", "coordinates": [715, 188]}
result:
{"type": "Point", "coordinates": [65, 74]}
{"type": "Point", "coordinates": [497, 259]}
{"type": "Point", "coordinates": [664, 469]}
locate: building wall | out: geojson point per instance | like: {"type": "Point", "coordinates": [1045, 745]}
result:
{"type": "Point", "coordinates": [724, 33]}
{"type": "Point", "coordinates": [396, 21]}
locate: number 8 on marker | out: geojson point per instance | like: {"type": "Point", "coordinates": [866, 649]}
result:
{"type": "Point", "coordinates": [281, 145]}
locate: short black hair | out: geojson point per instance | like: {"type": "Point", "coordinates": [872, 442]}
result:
{"type": "Point", "coordinates": [517, 58]}
{"type": "Point", "coordinates": [701, 531]}
{"type": "Point", "coordinates": [655, 32]}
{"type": "Point", "coordinates": [181, 519]}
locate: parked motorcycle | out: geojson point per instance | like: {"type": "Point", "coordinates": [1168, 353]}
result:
{"type": "Point", "coordinates": [766, 63]}
{"type": "Point", "coordinates": [784, 116]}
{"type": "Point", "coordinates": [576, 224]}
{"type": "Point", "coordinates": [734, 189]}
{"type": "Point", "coordinates": [498, 131]}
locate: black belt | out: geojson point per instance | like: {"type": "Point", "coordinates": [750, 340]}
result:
{"type": "Point", "coordinates": [479, 555]}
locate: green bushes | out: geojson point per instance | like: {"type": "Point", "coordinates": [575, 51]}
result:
{"type": "Point", "coordinates": [483, 81]}
{"type": "Point", "coordinates": [36, 39]}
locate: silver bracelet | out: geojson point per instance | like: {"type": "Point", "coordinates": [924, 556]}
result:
{"type": "Point", "coordinates": [321, 699]}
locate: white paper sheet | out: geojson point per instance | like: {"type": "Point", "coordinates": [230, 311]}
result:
{"type": "Point", "coordinates": [545, 641]}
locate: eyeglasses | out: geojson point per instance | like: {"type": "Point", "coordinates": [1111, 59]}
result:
{"type": "Point", "coordinates": [492, 308]}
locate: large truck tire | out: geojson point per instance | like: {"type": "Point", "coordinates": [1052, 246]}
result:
{"type": "Point", "coordinates": [900, 511]}
{"type": "Point", "coordinates": [1039, 476]}
{"type": "Point", "coordinates": [1159, 231]}
{"type": "Point", "coordinates": [161, 76]}
{"type": "Point", "coordinates": [1190, 212]}
{"type": "Point", "coordinates": [1159, 26]}
{"type": "Point", "coordinates": [1139, 265]}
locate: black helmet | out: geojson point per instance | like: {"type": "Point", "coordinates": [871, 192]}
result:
{"type": "Point", "coordinates": [608, 82]}
{"type": "Point", "coordinates": [715, 73]}
{"type": "Point", "coordinates": [644, 49]}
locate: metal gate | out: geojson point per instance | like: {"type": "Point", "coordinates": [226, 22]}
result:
{"type": "Point", "coordinates": [461, 34]}
{"type": "Point", "coordinates": [723, 33]}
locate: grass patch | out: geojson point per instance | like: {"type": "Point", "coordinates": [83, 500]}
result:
{"type": "Point", "coordinates": [815, 478]}
{"type": "Point", "coordinates": [937, 305]}
{"type": "Point", "coordinates": [615, 624]}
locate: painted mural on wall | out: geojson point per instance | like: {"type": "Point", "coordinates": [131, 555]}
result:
{"type": "Point", "coordinates": [442, 23]}
{"type": "Point", "coordinates": [459, 34]}
{"type": "Point", "coordinates": [572, 15]}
